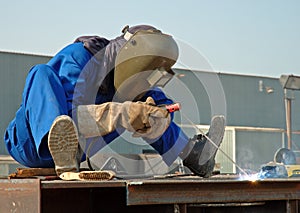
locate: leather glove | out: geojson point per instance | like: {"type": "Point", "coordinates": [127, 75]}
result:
{"type": "Point", "coordinates": [144, 119]}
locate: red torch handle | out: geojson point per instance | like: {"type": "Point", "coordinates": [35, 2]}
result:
{"type": "Point", "coordinates": [172, 107]}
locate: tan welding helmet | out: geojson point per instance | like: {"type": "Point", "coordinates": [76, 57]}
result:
{"type": "Point", "coordinates": [143, 62]}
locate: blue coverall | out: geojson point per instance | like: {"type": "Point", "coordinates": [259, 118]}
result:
{"type": "Point", "coordinates": [56, 88]}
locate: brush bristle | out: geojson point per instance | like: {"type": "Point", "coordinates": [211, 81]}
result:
{"type": "Point", "coordinates": [96, 175]}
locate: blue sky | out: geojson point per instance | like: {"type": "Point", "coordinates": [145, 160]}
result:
{"type": "Point", "coordinates": [255, 37]}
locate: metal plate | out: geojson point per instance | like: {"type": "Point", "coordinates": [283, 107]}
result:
{"type": "Point", "coordinates": [20, 195]}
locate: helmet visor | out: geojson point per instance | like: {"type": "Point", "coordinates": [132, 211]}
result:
{"type": "Point", "coordinates": [145, 60]}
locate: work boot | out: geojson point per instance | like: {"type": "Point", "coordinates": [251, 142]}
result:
{"type": "Point", "coordinates": [201, 155]}
{"type": "Point", "coordinates": [63, 144]}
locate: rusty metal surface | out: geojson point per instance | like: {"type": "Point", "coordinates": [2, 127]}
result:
{"type": "Point", "coordinates": [20, 195]}
{"type": "Point", "coordinates": [61, 184]}
{"type": "Point", "coordinates": [184, 194]}
{"type": "Point", "coordinates": [150, 192]}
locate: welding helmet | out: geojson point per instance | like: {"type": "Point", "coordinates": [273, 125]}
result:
{"type": "Point", "coordinates": [144, 61]}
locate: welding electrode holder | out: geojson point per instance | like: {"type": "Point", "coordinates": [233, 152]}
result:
{"type": "Point", "coordinates": [171, 107]}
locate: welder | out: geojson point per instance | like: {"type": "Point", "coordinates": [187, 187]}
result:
{"type": "Point", "coordinates": [96, 88]}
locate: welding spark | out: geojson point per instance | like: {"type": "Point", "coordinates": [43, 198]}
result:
{"type": "Point", "coordinates": [250, 177]}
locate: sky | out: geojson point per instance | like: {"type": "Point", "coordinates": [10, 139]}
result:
{"type": "Point", "coordinates": [251, 37]}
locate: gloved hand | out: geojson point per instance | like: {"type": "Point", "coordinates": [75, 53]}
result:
{"type": "Point", "coordinates": [154, 119]}
{"type": "Point", "coordinates": [144, 119]}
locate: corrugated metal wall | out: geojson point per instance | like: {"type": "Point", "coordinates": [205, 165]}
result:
{"type": "Point", "coordinates": [246, 105]}
{"type": "Point", "coordinates": [13, 70]}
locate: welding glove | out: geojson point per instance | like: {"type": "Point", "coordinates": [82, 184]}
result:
{"type": "Point", "coordinates": [144, 119]}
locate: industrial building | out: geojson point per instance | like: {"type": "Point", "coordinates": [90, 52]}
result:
{"type": "Point", "coordinates": [254, 107]}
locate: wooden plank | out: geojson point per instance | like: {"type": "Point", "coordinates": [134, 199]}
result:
{"type": "Point", "coordinates": [31, 172]}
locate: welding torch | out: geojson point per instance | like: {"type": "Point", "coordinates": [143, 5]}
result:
{"type": "Point", "coordinates": [171, 107]}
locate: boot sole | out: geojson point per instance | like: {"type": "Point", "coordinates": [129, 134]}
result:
{"type": "Point", "coordinates": [63, 144]}
{"type": "Point", "coordinates": [215, 135]}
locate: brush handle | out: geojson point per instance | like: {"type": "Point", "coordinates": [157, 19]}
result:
{"type": "Point", "coordinates": [70, 176]}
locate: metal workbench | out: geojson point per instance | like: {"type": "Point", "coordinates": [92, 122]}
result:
{"type": "Point", "coordinates": [184, 194]}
